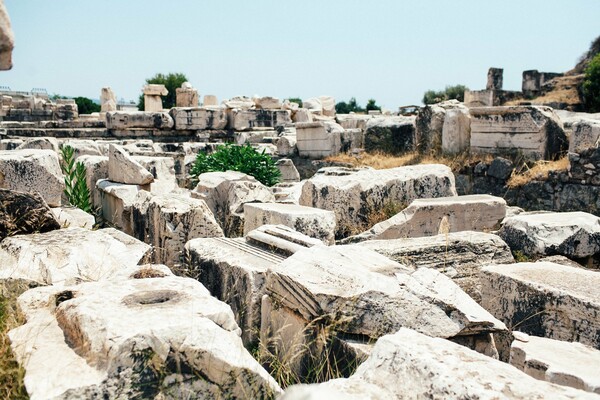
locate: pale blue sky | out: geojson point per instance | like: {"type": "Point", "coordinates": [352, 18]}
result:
{"type": "Point", "coordinates": [388, 50]}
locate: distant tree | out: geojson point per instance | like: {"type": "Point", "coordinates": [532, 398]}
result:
{"type": "Point", "coordinates": [297, 100]}
{"type": "Point", "coordinates": [171, 81]}
{"type": "Point", "coordinates": [351, 106]}
{"type": "Point", "coordinates": [86, 106]}
{"type": "Point", "coordinates": [372, 105]}
{"type": "Point", "coordinates": [591, 85]}
{"type": "Point", "coordinates": [456, 92]}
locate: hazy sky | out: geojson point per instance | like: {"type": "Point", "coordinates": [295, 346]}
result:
{"type": "Point", "coordinates": [392, 51]}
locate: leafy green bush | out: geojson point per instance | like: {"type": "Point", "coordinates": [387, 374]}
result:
{"type": "Point", "coordinates": [591, 85]}
{"type": "Point", "coordinates": [372, 105]}
{"type": "Point", "coordinates": [172, 81]}
{"type": "Point", "coordinates": [86, 106]}
{"type": "Point", "coordinates": [451, 92]}
{"type": "Point", "coordinates": [346, 108]}
{"type": "Point", "coordinates": [244, 159]}
{"type": "Point", "coordinates": [76, 189]}
{"type": "Point", "coordinates": [296, 100]}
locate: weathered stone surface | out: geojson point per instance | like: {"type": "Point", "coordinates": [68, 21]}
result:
{"type": "Point", "coordinates": [267, 103]}
{"type": "Point", "coordinates": [210, 100]}
{"type": "Point", "coordinates": [313, 222]}
{"type": "Point", "coordinates": [199, 118]}
{"type": "Point", "coordinates": [355, 194]}
{"type": "Point", "coordinates": [500, 168]}
{"type": "Point", "coordinates": [302, 115]}
{"type": "Point", "coordinates": [225, 193]}
{"type": "Point", "coordinates": [168, 221]}
{"type": "Point", "coordinates": [108, 100]}
{"type": "Point", "coordinates": [494, 79]}
{"type": "Point", "coordinates": [327, 105]}
{"type": "Point", "coordinates": [147, 334]}
{"type": "Point", "coordinates": [393, 135]}
{"type": "Point", "coordinates": [186, 96]}
{"type": "Point", "coordinates": [245, 119]}
{"type": "Point", "coordinates": [545, 299]}
{"type": "Point", "coordinates": [155, 90]}
{"type": "Point", "coordinates": [43, 143]}
{"type": "Point", "coordinates": [83, 148]}
{"type": "Point", "coordinates": [122, 168]}
{"type": "Point", "coordinates": [33, 171]}
{"type": "Point", "coordinates": [456, 131]}
{"type": "Point", "coordinates": [428, 217]}
{"type": "Point", "coordinates": [318, 139]}
{"type": "Point", "coordinates": [116, 200]}
{"type": "Point", "coordinates": [408, 364]}
{"type": "Point", "coordinates": [458, 255]}
{"type": "Point", "coordinates": [138, 119]}
{"type": "Point", "coordinates": [7, 40]}
{"type": "Point", "coordinates": [535, 131]}
{"type": "Point", "coordinates": [313, 105]}
{"type": "Point", "coordinates": [288, 170]}
{"type": "Point", "coordinates": [68, 256]}
{"type": "Point", "coordinates": [353, 121]}
{"type": "Point", "coordinates": [429, 124]}
{"type": "Point", "coordinates": [586, 135]}
{"type": "Point", "coordinates": [562, 363]}
{"type": "Point", "coordinates": [163, 171]}
{"type": "Point", "coordinates": [73, 217]}
{"type": "Point", "coordinates": [286, 145]}
{"type": "Point", "coordinates": [241, 102]}
{"type": "Point", "coordinates": [22, 213]}
{"type": "Point", "coordinates": [571, 234]}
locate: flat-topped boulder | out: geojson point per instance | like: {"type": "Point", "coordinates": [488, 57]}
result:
{"type": "Point", "coordinates": [199, 118]}
{"type": "Point", "coordinates": [318, 139]}
{"type": "Point", "coordinates": [545, 299]}
{"type": "Point", "coordinates": [310, 221]}
{"type": "Point", "coordinates": [142, 334]}
{"type": "Point", "coordinates": [571, 234]}
{"type": "Point", "coordinates": [355, 195]}
{"type": "Point", "coordinates": [138, 119]}
{"type": "Point", "coordinates": [556, 361]}
{"type": "Point", "coordinates": [33, 171]}
{"type": "Point", "coordinates": [428, 217]}
{"type": "Point", "coordinates": [458, 255]}
{"type": "Point", "coordinates": [408, 364]}
{"type": "Point", "coordinates": [122, 168]}
{"type": "Point", "coordinates": [535, 131]}
{"type": "Point", "coordinates": [392, 135]}
{"type": "Point", "coordinates": [73, 217]}
{"type": "Point", "coordinates": [68, 256]}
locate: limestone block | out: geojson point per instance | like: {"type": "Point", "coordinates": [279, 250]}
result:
{"type": "Point", "coordinates": [210, 101]}
{"type": "Point", "coordinates": [313, 222]}
{"type": "Point", "coordinates": [186, 97]}
{"type": "Point", "coordinates": [244, 119]}
{"type": "Point", "coordinates": [535, 131]}
{"type": "Point", "coordinates": [408, 364]}
{"type": "Point", "coordinates": [168, 221]}
{"type": "Point", "coordinates": [428, 217]}
{"type": "Point", "coordinates": [456, 131]}
{"type": "Point", "coordinates": [355, 194]}
{"type": "Point", "coordinates": [7, 40]}
{"type": "Point", "coordinates": [318, 139]}
{"type": "Point", "coordinates": [267, 103]}
{"type": "Point", "coordinates": [122, 168]}
{"type": "Point", "coordinates": [458, 255]}
{"type": "Point", "coordinates": [302, 115]}
{"type": "Point", "coordinates": [571, 234]}
{"type": "Point", "coordinates": [144, 334]}
{"type": "Point", "coordinates": [241, 102]}
{"type": "Point", "coordinates": [152, 103]}
{"type": "Point", "coordinates": [10, 144]}
{"type": "Point", "coordinates": [116, 200]}
{"type": "Point", "coordinates": [494, 79]}
{"type": "Point", "coordinates": [68, 256]}
{"type": "Point", "coordinates": [108, 100]}
{"type": "Point", "coordinates": [73, 217]}
{"type": "Point", "coordinates": [199, 118]}
{"type": "Point", "coordinates": [155, 90]}
{"type": "Point", "coordinates": [545, 299]}
{"type": "Point", "coordinates": [353, 121]}
{"type": "Point", "coordinates": [96, 168]}
{"type": "Point", "coordinates": [139, 119]}
{"type": "Point", "coordinates": [586, 135]}
{"type": "Point", "coordinates": [328, 105]}
{"type": "Point", "coordinates": [83, 147]}
{"type": "Point", "coordinates": [290, 105]}
{"type": "Point", "coordinates": [286, 145]}
{"type": "Point", "coordinates": [313, 105]}
{"type": "Point", "coordinates": [562, 363]}
{"type": "Point", "coordinates": [22, 213]}
{"type": "Point", "coordinates": [392, 135]}
{"type": "Point", "coordinates": [353, 140]}
{"type": "Point", "coordinates": [163, 171]}
{"type": "Point", "coordinates": [288, 170]}
{"type": "Point", "coordinates": [33, 171]}
{"type": "Point", "coordinates": [43, 143]}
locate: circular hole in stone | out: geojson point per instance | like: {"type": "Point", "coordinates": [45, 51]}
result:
{"type": "Point", "coordinates": [148, 273]}
{"type": "Point", "coordinates": [151, 297]}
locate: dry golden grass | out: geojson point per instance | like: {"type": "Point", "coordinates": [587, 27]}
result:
{"type": "Point", "coordinates": [538, 172]}
{"type": "Point", "coordinates": [11, 374]}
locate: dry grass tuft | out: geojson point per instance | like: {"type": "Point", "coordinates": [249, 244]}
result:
{"type": "Point", "coordinates": [11, 374]}
{"type": "Point", "coordinates": [538, 172]}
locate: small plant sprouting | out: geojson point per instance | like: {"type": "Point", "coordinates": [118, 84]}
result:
{"type": "Point", "coordinates": [76, 189]}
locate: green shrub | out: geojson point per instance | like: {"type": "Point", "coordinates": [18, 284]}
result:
{"type": "Point", "coordinates": [86, 106]}
{"type": "Point", "coordinates": [76, 189]}
{"type": "Point", "coordinates": [591, 85]}
{"type": "Point", "coordinates": [456, 92]}
{"type": "Point", "coordinates": [244, 159]}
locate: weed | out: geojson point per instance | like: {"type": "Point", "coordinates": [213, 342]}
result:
{"type": "Point", "coordinates": [11, 374]}
{"type": "Point", "coordinates": [76, 189]}
{"type": "Point", "coordinates": [538, 171]}
{"type": "Point", "coordinates": [521, 257]}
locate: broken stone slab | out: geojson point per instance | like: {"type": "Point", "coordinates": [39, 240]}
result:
{"type": "Point", "coordinates": [23, 213]}
{"type": "Point", "coordinates": [428, 217]}
{"type": "Point", "coordinates": [544, 299]}
{"type": "Point", "coordinates": [535, 131]}
{"type": "Point", "coordinates": [108, 100]}
{"type": "Point", "coordinates": [586, 135]}
{"type": "Point", "coordinates": [225, 193]}
{"type": "Point", "coordinates": [73, 217]}
{"type": "Point", "coordinates": [168, 221]}
{"type": "Point", "coordinates": [186, 96]}
{"type": "Point", "coordinates": [456, 131]}
{"type": "Point", "coordinates": [246, 119]}
{"type": "Point", "coordinates": [116, 120]}
{"type": "Point", "coordinates": [408, 364]}
{"type": "Point", "coordinates": [562, 363]}
{"type": "Point", "coordinates": [571, 234]}
{"type": "Point", "coordinates": [318, 139]}
{"type": "Point", "coordinates": [116, 200]}
{"type": "Point", "coordinates": [267, 103]}
{"type": "Point", "coordinates": [68, 256]}
{"type": "Point", "coordinates": [356, 195]}
{"type": "Point", "coordinates": [328, 105]}
{"type": "Point", "coordinates": [353, 121]}
{"type": "Point", "coordinates": [458, 255]}
{"type": "Point", "coordinates": [313, 222]}
{"type": "Point", "coordinates": [199, 118]}
{"type": "Point", "coordinates": [241, 102]}
{"type": "Point", "coordinates": [83, 147]}
{"type": "Point", "coordinates": [280, 239]}
{"type": "Point", "coordinates": [142, 335]}
{"type": "Point", "coordinates": [155, 90]}
{"type": "Point", "coordinates": [392, 135]}
{"type": "Point", "coordinates": [33, 171]}
{"type": "Point", "coordinates": [43, 143]}
{"type": "Point", "coordinates": [288, 170]}
{"type": "Point", "coordinates": [122, 168]}
{"type": "Point", "coordinates": [302, 115]}
{"type": "Point", "coordinates": [210, 100]}
{"type": "Point", "coordinates": [163, 171]}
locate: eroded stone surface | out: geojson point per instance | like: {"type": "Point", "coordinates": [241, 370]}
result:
{"type": "Point", "coordinates": [122, 168]}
